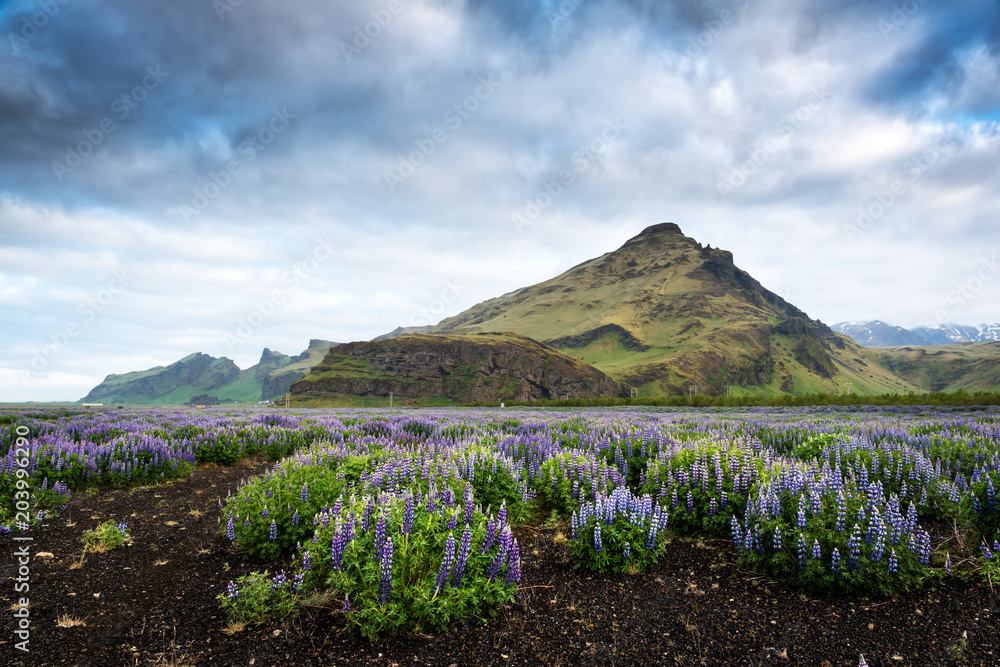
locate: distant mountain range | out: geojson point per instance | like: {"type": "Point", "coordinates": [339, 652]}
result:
{"type": "Point", "coordinates": [877, 333]}
{"type": "Point", "coordinates": [202, 378]}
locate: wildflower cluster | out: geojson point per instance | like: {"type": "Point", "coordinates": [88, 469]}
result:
{"type": "Point", "coordinates": [605, 530]}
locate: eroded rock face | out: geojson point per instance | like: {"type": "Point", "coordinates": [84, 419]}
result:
{"type": "Point", "coordinates": [465, 369]}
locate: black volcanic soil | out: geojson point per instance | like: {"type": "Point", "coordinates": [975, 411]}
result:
{"type": "Point", "coordinates": [153, 603]}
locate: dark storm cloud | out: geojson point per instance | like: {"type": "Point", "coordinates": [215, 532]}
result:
{"type": "Point", "coordinates": [935, 45]}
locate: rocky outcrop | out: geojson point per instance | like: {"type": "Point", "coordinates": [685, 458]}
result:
{"type": "Point", "coordinates": [625, 336]}
{"type": "Point", "coordinates": [277, 380]}
{"type": "Point", "coordinates": [470, 368]}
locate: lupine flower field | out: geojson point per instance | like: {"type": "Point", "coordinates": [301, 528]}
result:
{"type": "Point", "coordinates": [398, 532]}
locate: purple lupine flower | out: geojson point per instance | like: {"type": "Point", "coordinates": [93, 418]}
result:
{"type": "Point", "coordinates": [802, 512]}
{"type": "Point", "coordinates": [737, 532]}
{"type": "Point", "coordinates": [366, 519]}
{"type": "Point", "coordinates": [817, 551]}
{"type": "Point", "coordinates": [297, 582]}
{"type": "Point", "coordinates": [295, 518]}
{"type": "Point", "coordinates": [597, 537]}
{"type": "Point", "coordinates": [502, 514]}
{"type": "Point", "coordinates": [802, 551]}
{"type": "Point", "coordinates": [947, 563]}
{"type": "Point", "coordinates": [463, 556]}
{"type": "Point", "coordinates": [628, 551]}
{"type": "Point", "coordinates": [841, 512]}
{"type": "Point", "coordinates": [469, 507]}
{"type": "Point", "coordinates": [347, 603]}
{"type": "Point", "coordinates": [725, 499]}
{"type": "Point", "coordinates": [453, 521]}
{"type": "Point", "coordinates": [854, 548]}
{"type": "Point", "coordinates": [449, 556]}
{"type": "Point", "coordinates": [408, 516]}
{"type": "Point", "coordinates": [835, 560]}
{"type": "Point", "coordinates": [232, 592]}
{"type": "Point", "coordinates": [337, 545]}
{"type": "Point", "coordinates": [263, 512]}
{"type": "Point", "coordinates": [307, 561]}
{"type": "Point", "coordinates": [861, 661]}
{"type": "Point", "coordinates": [279, 581]}
{"type": "Point", "coordinates": [274, 530]}
{"type": "Point", "coordinates": [776, 539]}
{"type": "Point", "coordinates": [893, 562]}
{"type": "Point", "coordinates": [491, 530]}
{"type": "Point", "coordinates": [385, 585]}
{"type": "Point", "coordinates": [690, 502]}
{"type": "Point", "coordinates": [513, 565]}
{"type": "Point", "coordinates": [572, 526]}
{"type": "Point", "coordinates": [879, 549]}
{"type": "Point", "coordinates": [380, 534]}
{"type": "Point", "coordinates": [230, 529]}
{"type": "Point", "coordinates": [711, 508]}
{"type": "Point", "coordinates": [304, 496]}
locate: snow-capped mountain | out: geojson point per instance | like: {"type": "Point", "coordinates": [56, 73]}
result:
{"type": "Point", "coordinates": [876, 333]}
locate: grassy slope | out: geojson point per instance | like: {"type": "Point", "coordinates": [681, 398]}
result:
{"type": "Point", "coordinates": [969, 366]}
{"type": "Point", "coordinates": [659, 291]}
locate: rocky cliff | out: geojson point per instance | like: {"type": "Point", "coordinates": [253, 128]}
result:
{"type": "Point", "coordinates": [462, 368]}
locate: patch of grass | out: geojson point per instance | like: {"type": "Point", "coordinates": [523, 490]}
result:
{"type": "Point", "coordinates": [106, 537]}
{"type": "Point", "coordinates": [67, 621]}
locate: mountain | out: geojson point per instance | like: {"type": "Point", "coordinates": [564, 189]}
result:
{"type": "Point", "coordinates": [435, 369]}
{"type": "Point", "coordinates": [877, 333]}
{"type": "Point", "coordinates": [665, 315]}
{"type": "Point", "coordinates": [207, 377]}
{"type": "Point", "coordinates": [969, 366]}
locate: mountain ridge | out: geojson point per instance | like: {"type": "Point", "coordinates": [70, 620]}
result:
{"type": "Point", "coordinates": [203, 376]}
{"type": "Point", "coordinates": [876, 333]}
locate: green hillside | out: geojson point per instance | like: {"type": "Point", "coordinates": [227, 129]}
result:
{"type": "Point", "coordinates": [668, 316]}
{"type": "Point", "coordinates": [969, 366]}
{"type": "Point", "coordinates": [200, 375]}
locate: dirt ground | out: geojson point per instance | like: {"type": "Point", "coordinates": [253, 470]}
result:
{"type": "Point", "coordinates": [154, 602]}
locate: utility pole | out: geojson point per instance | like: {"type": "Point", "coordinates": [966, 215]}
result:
{"type": "Point", "coordinates": [287, 397]}
{"type": "Point", "coordinates": [390, 398]}
{"type": "Point", "coordinates": [848, 386]}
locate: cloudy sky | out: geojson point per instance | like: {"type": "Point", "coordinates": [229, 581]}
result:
{"type": "Point", "coordinates": [223, 176]}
